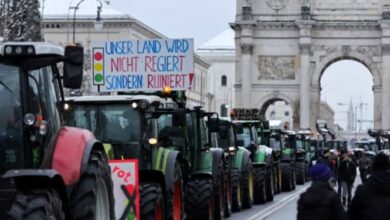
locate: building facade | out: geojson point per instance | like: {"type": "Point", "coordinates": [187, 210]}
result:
{"type": "Point", "coordinates": [220, 53]}
{"type": "Point", "coordinates": [62, 25]}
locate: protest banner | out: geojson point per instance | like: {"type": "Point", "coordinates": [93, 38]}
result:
{"type": "Point", "coordinates": [124, 174]}
{"type": "Point", "coordinates": [142, 65]}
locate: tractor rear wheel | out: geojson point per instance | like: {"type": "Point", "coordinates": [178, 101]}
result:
{"type": "Point", "coordinates": [219, 193]}
{"type": "Point", "coordinates": [200, 199]}
{"type": "Point", "coordinates": [92, 197]}
{"type": "Point", "coordinates": [37, 204]}
{"type": "Point", "coordinates": [260, 190]}
{"type": "Point", "coordinates": [248, 186]}
{"type": "Point", "coordinates": [287, 177]}
{"type": "Point", "coordinates": [152, 201]}
{"type": "Point", "coordinates": [228, 190]}
{"type": "Point", "coordinates": [175, 205]}
{"type": "Point", "coordinates": [270, 185]}
{"type": "Point", "coordinates": [301, 174]}
{"type": "Point", "coordinates": [236, 190]}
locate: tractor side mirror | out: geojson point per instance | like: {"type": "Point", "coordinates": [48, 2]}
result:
{"type": "Point", "coordinates": [73, 67]}
{"type": "Point", "coordinates": [179, 118]}
{"type": "Point", "coordinates": [213, 124]}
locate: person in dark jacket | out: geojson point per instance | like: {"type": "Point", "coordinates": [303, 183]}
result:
{"type": "Point", "coordinates": [346, 177]}
{"type": "Point", "coordinates": [320, 201]}
{"type": "Point", "coordinates": [372, 198]}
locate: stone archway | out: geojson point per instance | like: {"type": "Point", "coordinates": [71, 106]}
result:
{"type": "Point", "coordinates": [363, 55]}
{"type": "Point", "coordinates": [286, 49]}
{"type": "Point", "coordinates": [267, 101]}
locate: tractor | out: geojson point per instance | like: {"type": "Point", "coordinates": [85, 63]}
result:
{"type": "Point", "coordinates": [140, 127]}
{"type": "Point", "coordinates": [304, 155]}
{"type": "Point", "coordinates": [239, 163]}
{"type": "Point", "coordinates": [246, 122]}
{"type": "Point", "coordinates": [288, 161]}
{"type": "Point", "coordinates": [48, 171]}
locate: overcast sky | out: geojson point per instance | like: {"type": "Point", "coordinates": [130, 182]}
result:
{"type": "Point", "coordinates": [204, 19]}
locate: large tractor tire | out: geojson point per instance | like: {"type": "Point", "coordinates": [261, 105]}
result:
{"type": "Point", "coordinates": [37, 204]}
{"type": "Point", "coordinates": [269, 183]}
{"type": "Point", "coordinates": [260, 189]}
{"type": "Point", "coordinates": [199, 199]}
{"type": "Point", "coordinates": [236, 190]}
{"type": "Point", "coordinates": [248, 186]}
{"type": "Point", "coordinates": [287, 177]}
{"type": "Point", "coordinates": [294, 176]}
{"type": "Point", "coordinates": [175, 205]}
{"type": "Point", "coordinates": [277, 178]}
{"type": "Point", "coordinates": [92, 197]}
{"type": "Point", "coordinates": [307, 171]}
{"type": "Point", "coordinates": [219, 193]}
{"type": "Point", "coordinates": [301, 172]}
{"type": "Point", "coordinates": [228, 191]}
{"type": "Point", "coordinates": [152, 201]}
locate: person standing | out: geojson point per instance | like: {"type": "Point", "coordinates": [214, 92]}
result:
{"type": "Point", "coordinates": [346, 176]}
{"type": "Point", "coordinates": [372, 198]}
{"type": "Point", "coordinates": [320, 201]}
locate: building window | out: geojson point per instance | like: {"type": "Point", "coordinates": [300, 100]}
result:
{"type": "Point", "coordinates": [224, 110]}
{"type": "Point", "coordinates": [223, 80]}
{"type": "Point", "coordinates": [286, 113]}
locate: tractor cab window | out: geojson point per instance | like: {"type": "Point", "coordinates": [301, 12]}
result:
{"type": "Point", "coordinates": [170, 135]}
{"type": "Point", "coordinates": [119, 124]}
{"type": "Point", "coordinates": [245, 136]}
{"type": "Point", "coordinates": [275, 143]}
{"type": "Point", "coordinates": [11, 133]}
{"type": "Point", "coordinates": [300, 144]}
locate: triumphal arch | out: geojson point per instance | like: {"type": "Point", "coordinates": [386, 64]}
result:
{"type": "Point", "coordinates": [284, 46]}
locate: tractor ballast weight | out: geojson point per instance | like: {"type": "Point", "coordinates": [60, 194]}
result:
{"type": "Point", "coordinates": [55, 161]}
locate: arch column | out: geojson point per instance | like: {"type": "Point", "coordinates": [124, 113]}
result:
{"type": "Point", "coordinates": [385, 25]}
{"type": "Point", "coordinates": [305, 27]}
{"type": "Point", "coordinates": [246, 71]}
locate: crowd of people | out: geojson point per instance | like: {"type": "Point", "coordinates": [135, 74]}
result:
{"type": "Point", "coordinates": [371, 200]}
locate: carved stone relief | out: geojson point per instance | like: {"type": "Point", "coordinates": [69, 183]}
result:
{"type": "Point", "coordinates": [277, 4]}
{"type": "Point", "coordinates": [277, 67]}
{"type": "Point", "coordinates": [369, 51]}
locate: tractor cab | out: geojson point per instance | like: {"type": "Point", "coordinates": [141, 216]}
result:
{"type": "Point", "coordinates": [30, 85]}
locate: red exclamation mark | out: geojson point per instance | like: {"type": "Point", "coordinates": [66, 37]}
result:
{"type": "Point", "coordinates": [191, 80]}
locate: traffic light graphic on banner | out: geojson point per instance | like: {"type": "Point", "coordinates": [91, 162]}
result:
{"type": "Point", "coordinates": [98, 66]}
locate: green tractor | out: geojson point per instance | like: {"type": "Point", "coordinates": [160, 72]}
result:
{"type": "Point", "coordinates": [246, 123]}
{"type": "Point", "coordinates": [206, 195]}
{"type": "Point", "coordinates": [289, 162]}
{"type": "Point", "coordinates": [128, 127]}
{"type": "Point", "coordinates": [239, 166]}
{"type": "Point", "coordinates": [304, 155]}
{"type": "Point", "coordinates": [271, 135]}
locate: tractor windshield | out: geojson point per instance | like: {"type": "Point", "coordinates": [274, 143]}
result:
{"type": "Point", "coordinates": [11, 132]}
{"type": "Point", "coordinates": [245, 136]}
{"type": "Point", "coordinates": [115, 124]}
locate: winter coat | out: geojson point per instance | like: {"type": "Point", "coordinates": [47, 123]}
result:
{"type": "Point", "coordinates": [347, 171]}
{"type": "Point", "coordinates": [372, 199]}
{"type": "Point", "coordinates": [320, 202]}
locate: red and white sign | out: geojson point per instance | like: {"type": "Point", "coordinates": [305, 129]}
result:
{"type": "Point", "coordinates": [124, 174]}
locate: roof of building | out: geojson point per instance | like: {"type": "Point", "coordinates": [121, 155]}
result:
{"type": "Point", "coordinates": [223, 41]}
{"type": "Point", "coordinates": [86, 9]}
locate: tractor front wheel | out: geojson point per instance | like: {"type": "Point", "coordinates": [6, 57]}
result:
{"type": "Point", "coordinates": [92, 197]}
{"type": "Point", "coordinates": [270, 184]}
{"type": "Point", "coordinates": [248, 186]}
{"type": "Point", "coordinates": [236, 191]}
{"type": "Point", "coordinates": [37, 204]}
{"type": "Point", "coordinates": [260, 190]}
{"type": "Point", "coordinates": [200, 199]}
{"type": "Point", "coordinates": [152, 202]}
{"type": "Point", "coordinates": [300, 168]}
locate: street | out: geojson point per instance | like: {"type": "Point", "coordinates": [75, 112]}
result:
{"type": "Point", "coordinates": [283, 207]}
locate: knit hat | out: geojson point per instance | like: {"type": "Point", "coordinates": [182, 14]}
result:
{"type": "Point", "coordinates": [320, 172]}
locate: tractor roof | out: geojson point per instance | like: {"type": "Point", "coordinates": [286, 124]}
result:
{"type": "Point", "coordinates": [116, 98]}
{"type": "Point", "coordinates": [40, 48]}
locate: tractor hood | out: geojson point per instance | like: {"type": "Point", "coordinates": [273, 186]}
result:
{"type": "Point", "coordinates": [268, 151]}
